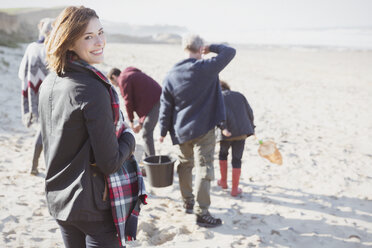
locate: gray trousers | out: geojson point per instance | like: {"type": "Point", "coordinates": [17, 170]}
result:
{"type": "Point", "coordinates": [203, 147]}
{"type": "Point", "coordinates": [148, 130]}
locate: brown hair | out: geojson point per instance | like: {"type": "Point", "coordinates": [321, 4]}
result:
{"type": "Point", "coordinates": [112, 72]}
{"type": "Point", "coordinates": [224, 85]}
{"type": "Point", "coordinates": [67, 29]}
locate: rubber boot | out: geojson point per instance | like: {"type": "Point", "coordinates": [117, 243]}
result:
{"type": "Point", "coordinates": [35, 160]}
{"type": "Point", "coordinates": [223, 169]}
{"type": "Point", "coordinates": [235, 182]}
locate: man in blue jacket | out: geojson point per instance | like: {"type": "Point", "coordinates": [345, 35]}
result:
{"type": "Point", "coordinates": [191, 106]}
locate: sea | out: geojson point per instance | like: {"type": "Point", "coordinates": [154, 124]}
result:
{"type": "Point", "coordinates": [339, 38]}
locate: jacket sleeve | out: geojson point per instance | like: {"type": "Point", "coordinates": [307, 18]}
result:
{"type": "Point", "coordinates": [22, 72]}
{"type": "Point", "coordinates": [166, 111]}
{"type": "Point", "coordinates": [224, 55]}
{"type": "Point", "coordinates": [250, 113]}
{"type": "Point", "coordinates": [109, 152]}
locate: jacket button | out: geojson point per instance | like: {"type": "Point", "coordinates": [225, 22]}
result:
{"type": "Point", "coordinates": [94, 174]}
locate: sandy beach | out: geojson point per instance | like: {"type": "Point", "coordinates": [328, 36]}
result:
{"type": "Point", "coordinates": [314, 103]}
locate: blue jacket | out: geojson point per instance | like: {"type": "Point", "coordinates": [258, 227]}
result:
{"type": "Point", "coordinates": [239, 115]}
{"type": "Point", "coordinates": [191, 103]}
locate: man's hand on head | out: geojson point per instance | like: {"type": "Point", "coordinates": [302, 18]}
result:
{"type": "Point", "coordinates": [205, 50]}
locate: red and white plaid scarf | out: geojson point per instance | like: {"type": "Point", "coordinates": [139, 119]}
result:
{"type": "Point", "coordinates": [126, 186]}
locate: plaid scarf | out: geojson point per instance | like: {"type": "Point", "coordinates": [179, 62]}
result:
{"type": "Point", "coordinates": [126, 186]}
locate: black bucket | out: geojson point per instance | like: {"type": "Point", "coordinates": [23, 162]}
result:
{"type": "Point", "coordinates": [159, 170]}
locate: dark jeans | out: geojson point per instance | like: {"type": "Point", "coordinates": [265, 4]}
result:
{"type": "Point", "coordinates": [148, 130]}
{"type": "Point", "coordinates": [237, 147]}
{"type": "Point", "coordinates": [89, 234]}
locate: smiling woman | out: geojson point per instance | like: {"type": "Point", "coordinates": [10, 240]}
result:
{"type": "Point", "coordinates": [90, 46]}
{"type": "Point", "coordinates": [79, 124]}
{"type": "Point", "coordinates": [77, 32]}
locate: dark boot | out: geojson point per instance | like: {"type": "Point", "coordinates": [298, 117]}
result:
{"type": "Point", "coordinates": [223, 169]}
{"type": "Point", "coordinates": [207, 220]}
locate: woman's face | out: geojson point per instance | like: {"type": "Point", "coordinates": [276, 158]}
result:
{"type": "Point", "coordinates": [89, 47]}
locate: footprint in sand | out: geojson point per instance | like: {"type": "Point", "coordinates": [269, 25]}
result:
{"type": "Point", "coordinates": [3, 139]}
{"type": "Point", "coordinates": [53, 230]}
{"type": "Point", "coordinates": [10, 218]}
{"type": "Point", "coordinates": [37, 239]}
{"type": "Point", "coordinates": [154, 217]}
{"type": "Point", "coordinates": [242, 224]}
{"type": "Point", "coordinates": [9, 236]}
{"type": "Point", "coordinates": [38, 212]}
{"type": "Point", "coordinates": [241, 242]}
{"type": "Point", "coordinates": [184, 230]}
{"type": "Point", "coordinates": [155, 235]}
{"type": "Point", "coordinates": [22, 203]}
{"type": "Point", "coordinates": [7, 228]}
{"type": "Point", "coordinates": [251, 241]}
{"type": "Point", "coordinates": [160, 209]}
{"type": "Point", "coordinates": [19, 144]}
{"type": "Point", "coordinates": [208, 235]}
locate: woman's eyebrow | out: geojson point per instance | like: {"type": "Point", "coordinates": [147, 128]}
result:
{"type": "Point", "coordinates": [93, 32]}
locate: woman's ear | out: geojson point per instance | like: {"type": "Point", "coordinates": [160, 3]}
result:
{"type": "Point", "coordinates": [71, 48]}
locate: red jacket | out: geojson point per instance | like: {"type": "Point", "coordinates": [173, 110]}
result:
{"type": "Point", "coordinates": [140, 92]}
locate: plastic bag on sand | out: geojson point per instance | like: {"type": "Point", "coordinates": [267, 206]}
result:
{"type": "Point", "coordinates": [268, 150]}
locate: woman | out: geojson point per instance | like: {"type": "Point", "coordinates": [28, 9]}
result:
{"type": "Point", "coordinates": [78, 126]}
{"type": "Point", "coordinates": [32, 71]}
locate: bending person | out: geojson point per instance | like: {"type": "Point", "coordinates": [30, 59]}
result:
{"type": "Point", "coordinates": [141, 94]}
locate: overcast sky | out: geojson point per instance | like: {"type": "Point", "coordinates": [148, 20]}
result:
{"type": "Point", "coordinates": [231, 20]}
{"type": "Point", "coordinates": [200, 15]}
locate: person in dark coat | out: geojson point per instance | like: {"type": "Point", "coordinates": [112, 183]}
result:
{"type": "Point", "coordinates": [78, 131]}
{"type": "Point", "coordinates": [141, 94]}
{"type": "Point", "coordinates": [240, 123]}
{"type": "Point", "coordinates": [191, 106]}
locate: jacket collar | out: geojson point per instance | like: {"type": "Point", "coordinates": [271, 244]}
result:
{"type": "Point", "coordinates": [82, 66]}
